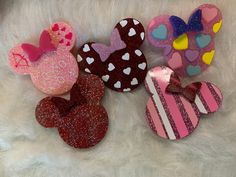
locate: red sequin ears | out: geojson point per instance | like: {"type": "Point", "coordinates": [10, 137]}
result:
{"type": "Point", "coordinates": [81, 121]}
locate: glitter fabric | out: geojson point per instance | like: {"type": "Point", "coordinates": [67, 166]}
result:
{"type": "Point", "coordinates": [171, 115]}
{"type": "Point", "coordinates": [53, 70]}
{"type": "Point", "coordinates": [81, 121]}
{"type": "Point", "coordinates": [121, 65]}
{"type": "Point", "coordinates": [189, 48]}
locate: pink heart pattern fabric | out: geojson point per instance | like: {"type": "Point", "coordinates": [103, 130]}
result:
{"type": "Point", "coordinates": [192, 52]}
{"type": "Point", "coordinates": [52, 67]}
{"type": "Point", "coordinates": [172, 116]}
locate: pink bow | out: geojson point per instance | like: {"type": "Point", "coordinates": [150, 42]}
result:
{"type": "Point", "coordinates": [189, 92]}
{"type": "Point", "coordinates": [45, 45]}
{"type": "Point", "coordinates": [116, 44]}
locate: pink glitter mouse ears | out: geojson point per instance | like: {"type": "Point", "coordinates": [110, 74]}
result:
{"type": "Point", "coordinates": [53, 69]}
{"type": "Point", "coordinates": [173, 111]}
{"type": "Point", "coordinates": [82, 121]}
{"type": "Point", "coordinates": [189, 48]}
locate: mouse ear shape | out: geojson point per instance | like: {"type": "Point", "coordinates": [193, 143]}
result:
{"type": "Point", "coordinates": [209, 98]}
{"type": "Point", "coordinates": [19, 61]}
{"type": "Point", "coordinates": [160, 33]}
{"type": "Point", "coordinates": [131, 32]}
{"type": "Point", "coordinates": [63, 35]}
{"type": "Point", "coordinates": [211, 18]}
{"type": "Point", "coordinates": [50, 110]}
{"type": "Point", "coordinates": [90, 88]}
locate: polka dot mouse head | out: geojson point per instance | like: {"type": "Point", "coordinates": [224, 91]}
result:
{"type": "Point", "coordinates": [82, 121]}
{"type": "Point", "coordinates": [173, 111]}
{"type": "Point", "coordinates": [189, 47]}
{"type": "Point", "coordinates": [121, 65]}
{"type": "Point", "coordinates": [51, 66]}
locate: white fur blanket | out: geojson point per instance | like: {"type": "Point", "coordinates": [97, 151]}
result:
{"type": "Point", "coordinates": [130, 149]}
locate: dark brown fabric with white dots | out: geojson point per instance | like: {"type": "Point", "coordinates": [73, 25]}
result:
{"type": "Point", "coordinates": [125, 69]}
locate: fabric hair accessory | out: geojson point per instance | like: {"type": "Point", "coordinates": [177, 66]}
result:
{"type": "Point", "coordinates": [82, 121]}
{"type": "Point", "coordinates": [188, 47]}
{"type": "Point", "coordinates": [53, 69]}
{"type": "Point", "coordinates": [121, 64]}
{"type": "Point", "coordinates": [173, 111]}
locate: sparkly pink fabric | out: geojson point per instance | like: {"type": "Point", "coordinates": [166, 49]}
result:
{"type": "Point", "coordinates": [55, 72]}
{"type": "Point", "coordinates": [170, 115]}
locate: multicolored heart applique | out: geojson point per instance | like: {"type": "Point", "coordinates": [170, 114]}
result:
{"type": "Point", "coordinates": [173, 111]}
{"type": "Point", "coordinates": [121, 65]}
{"type": "Point", "coordinates": [82, 121]}
{"type": "Point", "coordinates": [53, 69]}
{"type": "Point", "coordinates": [193, 42]}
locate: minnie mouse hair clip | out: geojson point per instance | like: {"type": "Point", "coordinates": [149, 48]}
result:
{"type": "Point", "coordinates": [82, 121]}
{"type": "Point", "coordinates": [53, 69]}
{"type": "Point", "coordinates": [122, 66]}
{"type": "Point", "coordinates": [189, 48]}
{"type": "Point", "coordinates": [173, 112]}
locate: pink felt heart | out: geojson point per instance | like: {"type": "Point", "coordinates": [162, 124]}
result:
{"type": "Point", "coordinates": [172, 116]}
{"type": "Point", "coordinates": [175, 61]}
{"type": "Point", "coordinates": [209, 14]}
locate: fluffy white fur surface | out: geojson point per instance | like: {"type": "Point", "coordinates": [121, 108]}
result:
{"type": "Point", "coordinates": [130, 148]}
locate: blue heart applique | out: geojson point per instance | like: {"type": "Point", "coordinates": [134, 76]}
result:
{"type": "Point", "coordinates": [160, 32]}
{"type": "Point", "coordinates": [193, 70]}
{"type": "Point", "coordinates": [203, 40]}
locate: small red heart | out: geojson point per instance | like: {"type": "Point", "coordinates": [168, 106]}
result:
{"type": "Point", "coordinates": [68, 44]}
{"type": "Point", "coordinates": [68, 36]}
{"type": "Point", "coordinates": [61, 41]}
{"type": "Point", "coordinates": [55, 27]}
{"type": "Point", "coordinates": [63, 29]}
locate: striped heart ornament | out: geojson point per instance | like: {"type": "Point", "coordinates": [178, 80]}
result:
{"type": "Point", "coordinates": [171, 114]}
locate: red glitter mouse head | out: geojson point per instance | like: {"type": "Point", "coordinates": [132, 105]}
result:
{"type": "Point", "coordinates": [121, 65]}
{"type": "Point", "coordinates": [81, 121]}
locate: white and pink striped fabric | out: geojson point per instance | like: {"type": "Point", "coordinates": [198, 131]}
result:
{"type": "Point", "coordinates": [171, 116]}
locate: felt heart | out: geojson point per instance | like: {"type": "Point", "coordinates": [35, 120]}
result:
{"type": "Point", "coordinates": [193, 70]}
{"type": "Point", "coordinates": [176, 61]}
{"type": "Point", "coordinates": [207, 57]}
{"type": "Point", "coordinates": [121, 63]}
{"type": "Point", "coordinates": [86, 48]}
{"type": "Point", "coordinates": [132, 32]}
{"type": "Point", "coordinates": [160, 32]}
{"type": "Point", "coordinates": [203, 40]}
{"type": "Point", "coordinates": [123, 23]}
{"type": "Point", "coordinates": [111, 67]}
{"type": "Point", "coordinates": [68, 36]}
{"type": "Point", "coordinates": [191, 39]}
{"type": "Point", "coordinates": [171, 115]}
{"type": "Point", "coordinates": [44, 62]}
{"type": "Point", "coordinates": [142, 65]}
{"type": "Point", "coordinates": [125, 56]}
{"type": "Point", "coordinates": [127, 70]}
{"type": "Point", "coordinates": [55, 27]}
{"type": "Point", "coordinates": [217, 26]}
{"type": "Point", "coordinates": [192, 55]}
{"type": "Point", "coordinates": [81, 121]}
{"type": "Point", "coordinates": [181, 43]}
{"type": "Point", "coordinates": [209, 14]}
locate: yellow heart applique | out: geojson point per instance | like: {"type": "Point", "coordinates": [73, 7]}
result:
{"type": "Point", "coordinates": [208, 56]}
{"type": "Point", "coordinates": [217, 26]}
{"type": "Point", "coordinates": [181, 43]}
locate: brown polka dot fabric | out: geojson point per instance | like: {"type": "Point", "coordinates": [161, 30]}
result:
{"type": "Point", "coordinates": [121, 65]}
{"type": "Point", "coordinates": [81, 121]}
